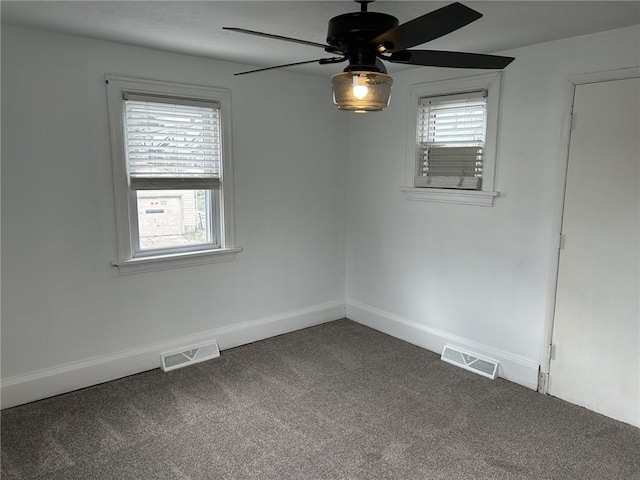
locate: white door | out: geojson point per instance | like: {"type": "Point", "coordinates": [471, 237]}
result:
{"type": "Point", "coordinates": [596, 333]}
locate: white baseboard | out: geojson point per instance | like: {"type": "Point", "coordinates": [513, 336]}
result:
{"type": "Point", "coordinates": [85, 373]}
{"type": "Point", "coordinates": [512, 367]}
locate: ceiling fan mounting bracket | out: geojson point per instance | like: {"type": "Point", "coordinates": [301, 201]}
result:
{"type": "Point", "coordinates": [363, 4]}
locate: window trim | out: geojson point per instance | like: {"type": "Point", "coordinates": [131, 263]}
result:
{"type": "Point", "coordinates": [117, 87]}
{"type": "Point", "coordinates": [490, 82]}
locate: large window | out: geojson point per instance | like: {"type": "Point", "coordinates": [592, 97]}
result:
{"type": "Point", "coordinates": [172, 173]}
{"type": "Point", "coordinates": [453, 140]}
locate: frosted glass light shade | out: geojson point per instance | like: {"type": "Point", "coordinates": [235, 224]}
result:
{"type": "Point", "coordinates": [361, 91]}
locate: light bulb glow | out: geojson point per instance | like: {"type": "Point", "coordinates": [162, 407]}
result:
{"type": "Point", "coordinates": [360, 91]}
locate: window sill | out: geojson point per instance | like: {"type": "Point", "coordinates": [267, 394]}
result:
{"type": "Point", "coordinates": [443, 195]}
{"type": "Point", "coordinates": [178, 260]}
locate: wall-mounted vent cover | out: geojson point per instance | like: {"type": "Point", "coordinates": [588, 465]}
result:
{"type": "Point", "coordinates": [189, 355]}
{"type": "Point", "coordinates": [470, 361]}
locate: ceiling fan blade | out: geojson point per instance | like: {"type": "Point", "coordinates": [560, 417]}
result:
{"type": "Point", "coordinates": [321, 61]}
{"type": "Point", "coordinates": [437, 58]}
{"type": "Point", "coordinates": [286, 39]}
{"type": "Point", "coordinates": [427, 27]}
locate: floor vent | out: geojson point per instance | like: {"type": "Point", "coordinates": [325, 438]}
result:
{"type": "Point", "coordinates": [470, 361]}
{"type": "Point", "coordinates": [189, 355]}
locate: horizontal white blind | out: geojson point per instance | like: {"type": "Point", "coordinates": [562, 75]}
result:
{"type": "Point", "coordinates": [451, 136]}
{"type": "Point", "coordinates": [172, 143]}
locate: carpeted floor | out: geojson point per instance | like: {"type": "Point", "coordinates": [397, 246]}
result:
{"type": "Point", "coordinates": [337, 401]}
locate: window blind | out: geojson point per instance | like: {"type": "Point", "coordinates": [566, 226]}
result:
{"type": "Point", "coordinates": [451, 136]}
{"type": "Point", "coordinates": [172, 143]}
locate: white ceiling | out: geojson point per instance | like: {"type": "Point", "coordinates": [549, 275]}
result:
{"type": "Point", "coordinates": [196, 27]}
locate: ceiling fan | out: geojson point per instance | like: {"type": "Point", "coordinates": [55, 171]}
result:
{"type": "Point", "coordinates": [365, 38]}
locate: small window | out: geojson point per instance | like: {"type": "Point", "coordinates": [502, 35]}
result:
{"type": "Point", "coordinates": [453, 140]}
{"type": "Point", "coordinates": [172, 173]}
{"type": "Point", "coordinates": [451, 137]}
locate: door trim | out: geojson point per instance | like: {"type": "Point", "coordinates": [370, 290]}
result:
{"type": "Point", "coordinates": [563, 154]}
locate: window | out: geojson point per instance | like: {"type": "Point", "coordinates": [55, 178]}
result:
{"type": "Point", "coordinates": [451, 134]}
{"type": "Point", "coordinates": [172, 174]}
{"type": "Point", "coordinates": [172, 149]}
{"type": "Point", "coordinates": [452, 145]}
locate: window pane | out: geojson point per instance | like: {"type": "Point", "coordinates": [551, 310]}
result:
{"type": "Point", "coordinates": [174, 218]}
{"type": "Point", "coordinates": [168, 141]}
{"type": "Point", "coordinates": [451, 135]}
{"type": "Point", "coordinates": [454, 123]}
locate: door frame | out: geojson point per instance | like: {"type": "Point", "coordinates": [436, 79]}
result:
{"type": "Point", "coordinates": [569, 95]}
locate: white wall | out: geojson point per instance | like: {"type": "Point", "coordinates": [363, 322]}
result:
{"type": "Point", "coordinates": [64, 303]}
{"type": "Point", "coordinates": [484, 277]}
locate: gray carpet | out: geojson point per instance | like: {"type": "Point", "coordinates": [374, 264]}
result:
{"type": "Point", "coordinates": [336, 401]}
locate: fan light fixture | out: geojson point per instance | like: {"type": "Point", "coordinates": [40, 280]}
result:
{"type": "Point", "coordinates": [365, 39]}
{"type": "Point", "coordinates": [361, 91]}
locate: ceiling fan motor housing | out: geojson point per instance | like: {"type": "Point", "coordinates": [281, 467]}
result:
{"type": "Point", "coordinates": [351, 33]}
